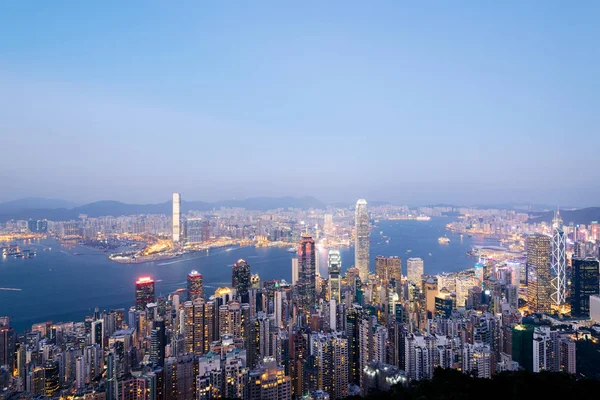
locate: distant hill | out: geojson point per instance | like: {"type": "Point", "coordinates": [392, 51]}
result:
{"type": "Point", "coordinates": [34, 202]}
{"type": "Point", "coordinates": [34, 209]}
{"type": "Point", "coordinates": [581, 216]}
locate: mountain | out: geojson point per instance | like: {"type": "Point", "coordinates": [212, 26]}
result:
{"type": "Point", "coordinates": [31, 209]}
{"type": "Point", "coordinates": [581, 216]}
{"type": "Point", "coordinates": [34, 203]}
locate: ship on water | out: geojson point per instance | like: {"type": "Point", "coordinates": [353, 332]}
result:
{"type": "Point", "coordinates": [443, 240]}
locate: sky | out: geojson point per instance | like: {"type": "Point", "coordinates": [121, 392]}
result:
{"type": "Point", "coordinates": [461, 102]}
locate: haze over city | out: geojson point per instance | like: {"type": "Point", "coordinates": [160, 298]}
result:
{"type": "Point", "coordinates": [414, 104]}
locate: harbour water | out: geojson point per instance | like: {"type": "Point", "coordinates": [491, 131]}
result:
{"type": "Point", "coordinates": [66, 283]}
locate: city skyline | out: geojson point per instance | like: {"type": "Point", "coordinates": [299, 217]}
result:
{"type": "Point", "coordinates": [424, 100]}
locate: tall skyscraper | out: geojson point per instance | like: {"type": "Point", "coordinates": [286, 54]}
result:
{"type": "Point", "coordinates": [415, 270]}
{"type": "Point", "coordinates": [240, 278]}
{"type": "Point", "coordinates": [144, 292]}
{"type": "Point", "coordinates": [334, 267]}
{"type": "Point", "coordinates": [306, 286]}
{"type": "Point", "coordinates": [388, 269]}
{"type": "Point", "coordinates": [295, 272]}
{"type": "Point", "coordinates": [7, 343]}
{"type": "Point", "coordinates": [584, 283]}
{"type": "Point", "coordinates": [539, 287]}
{"type": "Point", "coordinates": [559, 261]}
{"type": "Point", "coordinates": [176, 217]}
{"type": "Point", "coordinates": [194, 285]}
{"type": "Point", "coordinates": [361, 241]}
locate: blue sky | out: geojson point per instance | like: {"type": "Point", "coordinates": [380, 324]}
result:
{"type": "Point", "coordinates": [423, 102]}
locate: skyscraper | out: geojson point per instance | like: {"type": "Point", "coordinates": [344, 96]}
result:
{"type": "Point", "coordinates": [388, 269]}
{"type": "Point", "coordinates": [361, 241]}
{"type": "Point", "coordinates": [584, 283]}
{"type": "Point", "coordinates": [240, 278]}
{"type": "Point", "coordinates": [539, 288]}
{"type": "Point", "coordinates": [176, 217]}
{"type": "Point", "coordinates": [334, 267]}
{"type": "Point", "coordinates": [144, 292]}
{"type": "Point", "coordinates": [415, 270]}
{"type": "Point", "coordinates": [194, 285]}
{"type": "Point", "coordinates": [558, 262]}
{"type": "Point", "coordinates": [305, 288]}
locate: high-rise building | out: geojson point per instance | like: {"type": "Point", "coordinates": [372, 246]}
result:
{"type": "Point", "coordinates": [546, 349]}
{"type": "Point", "coordinates": [539, 277]}
{"type": "Point", "coordinates": [559, 261]}
{"type": "Point", "coordinates": [477, 359]}
{"type": "Point", "coordinates": [51, 378]}
{"type": "Point", "coordinates": [388, 269]}
{"type": "Point", "coordinates": [330, 352]}
{"type": "Point", "coordinates": [334, 267]}
{"type": "Point", "coordinates": [193, 230]}
{"type": "Point", "coordinates": [361, 241]}
{"type": "Point", "coordinates": [198, 326]}
{"type": "Point", "coordinates": [144, 292]}
{"type": "Point", "coordinates": [585, 278]}
{"type": "Point", "coordinates": [194, 285]}
{"type": "Point", "coordinates": [176, 217]}
{"type": "Point", "coordinates": [7, 343]}
{"type": "Point", "coordinates": [240, 279]}
{"type": "Point", "coordinates": [415, 270]}
{"type": "Point", "coordinates": [269, 381]}
{"type": "Point", "coordinates": [306, 285]}
{"type": "Point", "coordinates": [295, 273]}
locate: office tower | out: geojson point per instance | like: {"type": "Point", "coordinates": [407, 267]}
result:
{"type": "Point", "coordinates": [158, 341]}
{"type": "Point", "coordinates": [194, 285]}
{"type": "Point", "coordinates": [240, 279]}
{"type": "Point", "coordinates": [144, 292]}
{"type": "Point", "coordinates": [269, 381]}
{"type": "Point", "coordinates": [361, 241]}
{"type": "Point", "coordinates": [585, 275]}
{"type": "Point", "coordinates": [334, 268]}
{"type": "Point", "coordinates": [51, 378]}
{"type": "Point", "coordinates": [558, 261]}
{"type": "Point", "coordinates": [295, 273]}
{"type": "Point", "coordinates": [306, 285]}
{"type": "Point", "coordinates": [415, 270]}
{"type": "Point", "coordinates": [539, 286]}
{"type": "Point", "coordinates": [330, 352]}
{"type": "Point", "coordinates": [98, 332]}
{"type": "Point", "coordinates": [431, 291]}
{"type": "Point", "coordinates": [7, 344]}
{"type": "Point", "coordinates": [353, 319]}
{"type": "Point", "coordinates": [389, 269]}
{"type": "Point", "coordinates": [477, 359]}
{"type": "Point", "coordinates": [176, 217]}
{"type": "Point", "coordinates": [568, 355]}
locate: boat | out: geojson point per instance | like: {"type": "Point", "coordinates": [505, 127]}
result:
{"type": "Point", "coordinates": [408, 251]}
{"type": "Point", "coordinates": [443, 240]}
{"type": "Point", "coordinates": [292, 250]}
{"type": "Point", "coordinates": [423, 218]}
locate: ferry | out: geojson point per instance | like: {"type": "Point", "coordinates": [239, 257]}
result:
{"type": "Point", "coordinates": [443, 240]}
{"type": "Point", "coordinates": [423, 218]}
{"type": "Point", "coordinates": [292, 250]}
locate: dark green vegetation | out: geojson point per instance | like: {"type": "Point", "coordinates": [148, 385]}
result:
{"type": "Point", "coordinates": [588, 359]}
{"type": "Point", "coordinates": [451, 384]}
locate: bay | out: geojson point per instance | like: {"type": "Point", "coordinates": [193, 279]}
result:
{"type": "Point", "coordinates": [66, 283]}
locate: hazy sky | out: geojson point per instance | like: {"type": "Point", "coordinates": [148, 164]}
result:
{"type": "Point", "coordinates": [462, 101]}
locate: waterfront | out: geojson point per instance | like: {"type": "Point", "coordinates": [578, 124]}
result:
{"type": "Point", "coordinates": [66, 283]}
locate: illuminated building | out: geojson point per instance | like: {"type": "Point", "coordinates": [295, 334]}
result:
{"type": "Point", "coordinates": [330, 352]}
{"type": "Point", "coordinates": [7, 343]}
{"type": "Point", "coordinates": [176, 217]}
{"type": "Point", "coordinates": [306, 285]}
{"type": "Point", "coordinates": [558, 262]}
{"type": "Point", "coordinates": [431, 291]}
{"type": "Point", "coordinates": [539, 286]}
{"type": "Point", "coordinates": [194, 285]}
{"type": "Point", "coordinates": [198, 326]}
{"type": "Point", "coordinates": [240, 279]}
{"type": "Point", "coordinates": [295, 272]}
{"type": "Point", "coordinates": [255, 281]}
{"type": "Point", "coordinates": [51, 378]}
{"type": "Point", "coordinates": [546, 349]}
{"type": "Point", "coordinates": [334, 268]}
{"type": "Point", "coordinates": [477, 360]}
{"type": "Point", "coordinates": [134, 389]}
{"type": "Point", "coordinates": [382, 377]}
{"type": "Point", "coordinates": [568, 355]}
{"type": "Point", "coordinates": [269, 382]}
{"type": "Point", "coordinates": [443, 304]}
{"type": "Point", "coordinates": [585, 276]}
{"type": "Point", "coordinates": [361, 243]}
{"type": "Point", "coordinates": [414, 270]}
{"type": "Point", "coordinates": [144, 292]}
{"type": "Point", "coordinates": [388, 269]}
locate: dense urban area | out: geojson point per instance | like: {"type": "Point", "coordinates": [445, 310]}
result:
{"type": "Point", "coordinates": [530, 303]}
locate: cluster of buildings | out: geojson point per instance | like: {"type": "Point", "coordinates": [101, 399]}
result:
{"type": "Point", "coordinates": [326, 337]}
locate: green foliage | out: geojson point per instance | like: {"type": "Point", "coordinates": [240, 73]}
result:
{"type": "Point", "coordinates": [588, 359]}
